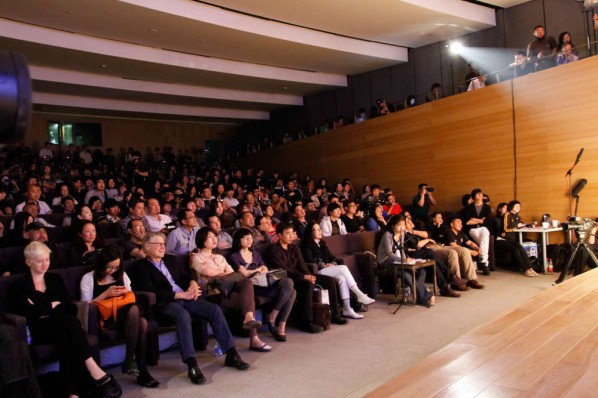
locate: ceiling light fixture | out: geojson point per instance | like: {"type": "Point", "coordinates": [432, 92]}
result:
{"type": "Point", "coordinates": [456, 47]}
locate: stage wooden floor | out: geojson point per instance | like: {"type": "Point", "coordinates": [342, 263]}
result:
{"type": "Point", "coordinates": [546, 347]}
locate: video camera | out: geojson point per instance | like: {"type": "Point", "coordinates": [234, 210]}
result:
{"type": "Point", "coordinates": [579, 224]}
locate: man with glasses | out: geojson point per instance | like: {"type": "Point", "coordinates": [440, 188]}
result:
{"type": "Point", "coordinates": [182, 239]}
{"type": "Point", "coordinates": [136, 212]}
{"type": "Point", "coordinates": [177, 298]}
{"type": "Point", "coordinates": [133, 246]}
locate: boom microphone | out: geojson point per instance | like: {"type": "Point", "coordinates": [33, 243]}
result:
{"type": "Point", "coordinates": [578, 187]}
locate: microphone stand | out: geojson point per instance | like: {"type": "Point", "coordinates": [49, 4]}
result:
{"type": "Point", "coordinates": [403, 299]}
{"type": "Point", "coordinates": [569, 175]}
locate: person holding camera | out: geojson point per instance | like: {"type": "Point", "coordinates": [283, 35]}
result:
{"type": "Point", "coordinates": [422, 203]}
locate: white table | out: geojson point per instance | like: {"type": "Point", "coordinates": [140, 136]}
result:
{"type": "Point", "coordinates": [544, 232]}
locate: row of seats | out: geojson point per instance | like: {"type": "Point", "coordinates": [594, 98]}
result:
{"type": "Point", "coordinates": [350, 248]}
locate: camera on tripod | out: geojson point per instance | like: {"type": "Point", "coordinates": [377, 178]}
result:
{"type": "Point", "coordinates": [579, 224]}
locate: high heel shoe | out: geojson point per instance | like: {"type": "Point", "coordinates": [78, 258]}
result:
{"type": "Point", "coordinates": [130, 368]}
{"type": "Point", "coordinates": [146, 380]}
{"type": "Point", "coordinates": [277, 336]}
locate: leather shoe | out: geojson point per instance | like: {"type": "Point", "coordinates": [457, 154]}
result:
{"type": "Point", "coordinates": [338, 320]}
{"type": "Point", "coordinates": [311, 327]}
{"type": "Point", "coordinates": [485, 270]}
{"type": "Point", "coordinates": [450, 293]}
{"type": "Point", "coordinates": [461, 288]}
{"type": "Point", "coordinates": [233, 360]}
{"type": "Point", "coordinates": [146, 380]}
{"type": "Point", "coordinates": [108, 387]}
{"type": "Point", "coordinates": [277, 336]}
{"type": "Point", "coordinates": [196, 376]}
{"type": "Point", "coordinates": [361, 308]}
{"type": "Point", "coordinates": [252, 324]}
{"type": "Point", "coordinates": [474, 284]}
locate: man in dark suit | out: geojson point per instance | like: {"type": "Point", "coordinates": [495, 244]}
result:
{"type": "Point", "coordinates": [286, 255]}
{"type": "Point", "coordinates": [177, 298]}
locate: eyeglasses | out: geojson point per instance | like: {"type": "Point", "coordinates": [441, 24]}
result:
{"type": "Point", "coordinates": [157, 243]}
{"type": "Point", "coordinates": [111, 268]}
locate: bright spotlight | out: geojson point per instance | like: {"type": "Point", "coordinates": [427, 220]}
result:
{"type": "Point", "coordinates": [456, 47]}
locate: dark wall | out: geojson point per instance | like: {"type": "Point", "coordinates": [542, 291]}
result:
{"type": "Point", "coordinates": [434, 63]}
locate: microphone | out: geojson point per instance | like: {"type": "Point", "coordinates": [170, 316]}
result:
{"type": "Point", "coordinates": [579, 156]}
{"type": "Point", "coordinates": [578, 187]}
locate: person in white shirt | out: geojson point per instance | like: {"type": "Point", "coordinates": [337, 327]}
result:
{"type": "Point", "coordinates": [157, 221]}
{"type": "Point", "coordinates": [33, 193]}
{"type": "Point", "coordinates": [46, 153]}
{"type": "Point", "coordinates": [332, 224]}
{"type": "Point", "coordinates": [85, 156]}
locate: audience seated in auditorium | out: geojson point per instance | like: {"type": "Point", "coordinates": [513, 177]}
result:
{"type": "Point", "coordinates": [332, 223]}
{"type": "Point", "coordinates": [107, 280]}
{"type": "Point", "coordinates": [456, 239]}
{"type": "Point", "coordinates": [182, 239]}
{"type": "Point", "coordinates": [418, 244]}
{"type": "Point", "coordinates": [132, 247]}
{"type": "Point", "coordinates": [391, 250]}
{"type": "Point", "coordinates": [565, 38]}
{"type": "Point", "coordinates": [248, 262]}
{"type": "Point", "coordinates": [316, 251]}
{"type": "Point", "coordinates": [32, 194]}
{"type": "Point", "coordinates": [566, 55]}
{"type": "Point", "coordinates": [477, 223]}
{"type": "Point", "coordinates": [177, 298]}
{"type": "Point", "coordinates": [225, 241]}
{"type": "Point", "coordinates": [391, 207]}
{"type": "Point", "coordinates": [86, 246]}
{"type": "Point", "coordinates": [43, 299]}
{"type": "Point", "coordinates": [375, 220]}
{"type": "Point", "coordinates": [435, 93]}
{"type": "Point", "coordinates": [208, 267]}
{"type": "Point", "coordinates": [136, 211]}
{"type": "Point", "coordinates": [512, 221]}
{"type": "Point", "coordinates": [98, 190]}
{"type": "Point", "coordinates": [352, 218]}
{"type": "Point", "coordinates": [520, 65]}
{"type": "Point", "coordinates": [157, 222]}
{"type": "Point", "coordinates": [287, 256]}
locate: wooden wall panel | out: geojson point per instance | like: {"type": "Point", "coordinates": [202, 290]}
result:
{"type": "Point", "coordinates": [143, 135]}
{"type": "Point", "coordinates": [555, 117]}
{"type": "Point", "coordinates": [438, 143]}
{"type": "Point", "coordinates": [470, 140]}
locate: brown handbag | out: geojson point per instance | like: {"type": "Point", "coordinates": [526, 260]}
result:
{"type": "Point", "coordinates": [109, 307]}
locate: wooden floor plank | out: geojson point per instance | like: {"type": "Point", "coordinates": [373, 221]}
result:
{"type": "Point", "coordinates": [545, 347]}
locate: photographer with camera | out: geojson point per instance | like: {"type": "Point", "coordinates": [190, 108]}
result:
{"type": "Point", "coordinates": [137, 173]}
{"type": "Point", "coordinates": [422, 203]}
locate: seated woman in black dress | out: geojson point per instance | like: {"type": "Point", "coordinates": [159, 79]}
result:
{"type": "Point", "coordinates": [87, 245]}
{"type": "Point", "coordinates": [43, 299]}
{"type": "Point", "coordinates": [108, 280]}
{"type": "Point", "coordinates": [246, 261]}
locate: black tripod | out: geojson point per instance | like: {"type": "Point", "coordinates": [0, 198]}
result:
{"type": "Point", "coordinates": [581, 248]}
